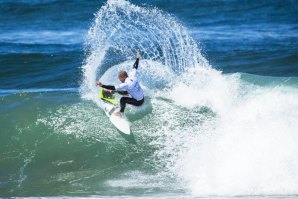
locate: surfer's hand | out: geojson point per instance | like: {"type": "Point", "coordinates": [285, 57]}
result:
{"type": "Point", "coordinates": [107, 90]}
{"type": "Point", "coordinates": [138, 55]}
{"type": "Point", "coordinates": [98, 83]}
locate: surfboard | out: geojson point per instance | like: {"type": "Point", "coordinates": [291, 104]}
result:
{"type": "Point", "coordinates": [109, 105]}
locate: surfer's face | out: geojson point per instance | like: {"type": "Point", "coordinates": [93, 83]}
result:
{"type": "Point", "coordinates": [122, 75]}
{"type": "Point", "coordinates": [122, 79]}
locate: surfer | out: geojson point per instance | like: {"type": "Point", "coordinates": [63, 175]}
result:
{"type": "Point", "coordinates": [130, 85]}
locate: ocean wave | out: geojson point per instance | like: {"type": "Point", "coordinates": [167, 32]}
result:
{"type": "Point", "coordinates": [37, 90]}
{"type": "Point", "coordinates": [43, 37]}
{"type": "Point", "coordinates": [204, 122]}
{"type": "Point", "coordinates": [201, 133]}
{"type": "Point", "coordinates": [251, 32]}
{"type": "Point", "coordinates": [31, 2]}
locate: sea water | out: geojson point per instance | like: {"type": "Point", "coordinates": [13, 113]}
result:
{"type": "Point", "coordinates": [220, 118]}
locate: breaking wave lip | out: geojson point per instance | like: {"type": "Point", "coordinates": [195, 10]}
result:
{"type": "Point", "coordinates": [122, 28]}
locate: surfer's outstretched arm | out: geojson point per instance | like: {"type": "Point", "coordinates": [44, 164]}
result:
{"type": "Point", "coordinates": [113, 88]}
{"type": "Point", "coordinates": [109, 87]}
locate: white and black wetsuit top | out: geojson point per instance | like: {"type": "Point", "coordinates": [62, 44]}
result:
{"type": "Point", "coordinates": [131, 84]}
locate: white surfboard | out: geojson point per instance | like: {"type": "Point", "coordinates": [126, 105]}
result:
{"type": "Point", "coordinates": [120, 123]}
{"type": "Point", "coordinates": [109, 105]}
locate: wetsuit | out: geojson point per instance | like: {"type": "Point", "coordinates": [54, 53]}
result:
{"type": "Point", "coordinates": [131, 86]}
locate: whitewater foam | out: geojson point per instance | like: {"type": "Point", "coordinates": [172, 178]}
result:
{"type": "Point", "coordinates": [248, 148]}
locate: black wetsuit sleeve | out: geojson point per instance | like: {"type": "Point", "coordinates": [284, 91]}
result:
{"type": "Point", "coordinates": [136, 64]}
{"type": "Point", "coordinates": [122, 92]}
{"type": "Point", "coordinates": [109, 87]}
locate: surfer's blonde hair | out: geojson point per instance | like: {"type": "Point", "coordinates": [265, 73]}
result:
{"type": "Point", "coordinates": [122, 73]}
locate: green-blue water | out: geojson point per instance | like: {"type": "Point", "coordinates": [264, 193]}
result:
{"type": "Point", "coordinates": [220, 112]}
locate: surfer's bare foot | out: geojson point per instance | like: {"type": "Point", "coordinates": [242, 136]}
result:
{"type": "Point", "coordinates": [117, 113]}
